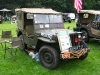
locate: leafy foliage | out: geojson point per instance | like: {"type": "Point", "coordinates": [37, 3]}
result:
{"type": "Point", "coordinates": [58, 5]}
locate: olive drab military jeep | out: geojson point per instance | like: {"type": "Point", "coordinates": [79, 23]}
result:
{"type": "Point", "coordinates": [89, 23]}
{"type": "Point", "coordinates": [43, 31]}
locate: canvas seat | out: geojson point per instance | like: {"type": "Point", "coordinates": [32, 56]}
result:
{"type": "Point", "coordinates": [5, 36]}
{"type": "Point", "coordinates": [14, 45]}
{"type": "Point", "coordinates": [29, 30]}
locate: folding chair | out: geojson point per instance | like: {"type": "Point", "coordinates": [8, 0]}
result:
{"type": "Point", "coordinates": [14, 45]}
{"type": "Point", "coordinates": [5, 36]}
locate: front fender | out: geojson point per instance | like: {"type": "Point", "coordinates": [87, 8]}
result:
{"type": "Point", "coordinates": [46, 40]}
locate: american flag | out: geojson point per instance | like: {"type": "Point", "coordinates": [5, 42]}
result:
{"type": "Point", "coordinates": [78, 5]}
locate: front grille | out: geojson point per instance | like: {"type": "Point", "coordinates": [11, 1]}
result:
{"type": "Point", "coordinates": [72, 37]}
{"type": "Point", "coordinates": [75, 45]}
{"type": "Point", "coordinates": [75, 48]}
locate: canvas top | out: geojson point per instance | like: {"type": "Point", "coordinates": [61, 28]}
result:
{"type": "Point", "coordinates": [90, 11]}
{"type": "Point", "coordinates": [37, 10]}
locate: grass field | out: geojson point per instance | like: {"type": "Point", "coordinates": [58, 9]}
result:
{"type": "Point", "coordinates": [25, 65]}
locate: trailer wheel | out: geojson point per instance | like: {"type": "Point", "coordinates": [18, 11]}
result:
{"type": "Point", "coordinates": [49, 57]}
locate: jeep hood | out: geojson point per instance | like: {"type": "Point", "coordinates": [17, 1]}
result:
{"type": "Point", "coordinates": [53, 31]}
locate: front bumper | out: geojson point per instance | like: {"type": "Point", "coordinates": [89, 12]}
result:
{"type": "Point", "coordinates": [76, 54]}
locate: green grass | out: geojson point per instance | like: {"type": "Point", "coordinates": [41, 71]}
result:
{"type": "Point", "coordinates": [24, 65]}
{"type": "Point", "coordinates": [72, 25]}
{"type": "Point", "coordinates": [7, 26]}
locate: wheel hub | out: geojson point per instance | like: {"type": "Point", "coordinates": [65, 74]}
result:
{"type": "Point", "coordinates": [48, 57]}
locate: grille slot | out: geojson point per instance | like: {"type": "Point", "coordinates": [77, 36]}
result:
{"type": "Point", "coordinates": [75, 48]}
{"type": "Point", "coordinates": [72, 37]}
{"type": "Point", "coordinates": [75, 45]}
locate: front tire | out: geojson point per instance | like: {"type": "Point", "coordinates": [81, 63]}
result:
{"type": "Point", "coordinates": [83, 56]}
{"type": "Point", "coordinates": [86, 54]}
{"type": "Point", "coordinates": [49, 57]}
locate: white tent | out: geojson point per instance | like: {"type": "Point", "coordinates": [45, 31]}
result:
{"type": "Point", "coordinates": [5, 10]}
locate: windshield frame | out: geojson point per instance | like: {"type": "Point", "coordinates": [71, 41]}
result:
{"type": "Point", "coordinates": [48, 18]}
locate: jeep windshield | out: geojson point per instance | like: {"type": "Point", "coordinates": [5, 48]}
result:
{"type": "Point", "coordinates": [44, 18]}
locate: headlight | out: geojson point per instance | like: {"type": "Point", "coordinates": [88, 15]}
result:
{"type": "Point", "coordinates": [79, 36]}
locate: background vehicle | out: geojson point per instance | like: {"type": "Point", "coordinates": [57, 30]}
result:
{"type": "Point", "coordinates": [71, 16]}
{"type": "Point", "coordinates": [13, 19]}
{"type": "Point", "coordinates": [66, 18]}
{"type": "Point", "coordinates": [43, 31]}
{"type": "Point", "coordinates": [89, 23]}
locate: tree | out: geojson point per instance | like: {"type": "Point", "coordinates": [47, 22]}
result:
{"type": "Point", "coordinates": [58, 5]}
{"type": "Point", "coordinates": [88, 4]}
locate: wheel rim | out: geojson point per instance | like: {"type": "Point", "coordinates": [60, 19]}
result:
{"type": "Point", "coordinates": [85, 35]}
{"type": "Point", "coordinates": [47, 56]}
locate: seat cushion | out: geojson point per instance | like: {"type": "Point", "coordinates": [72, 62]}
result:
{"type": "Point", "coordinates": [30, 30]}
